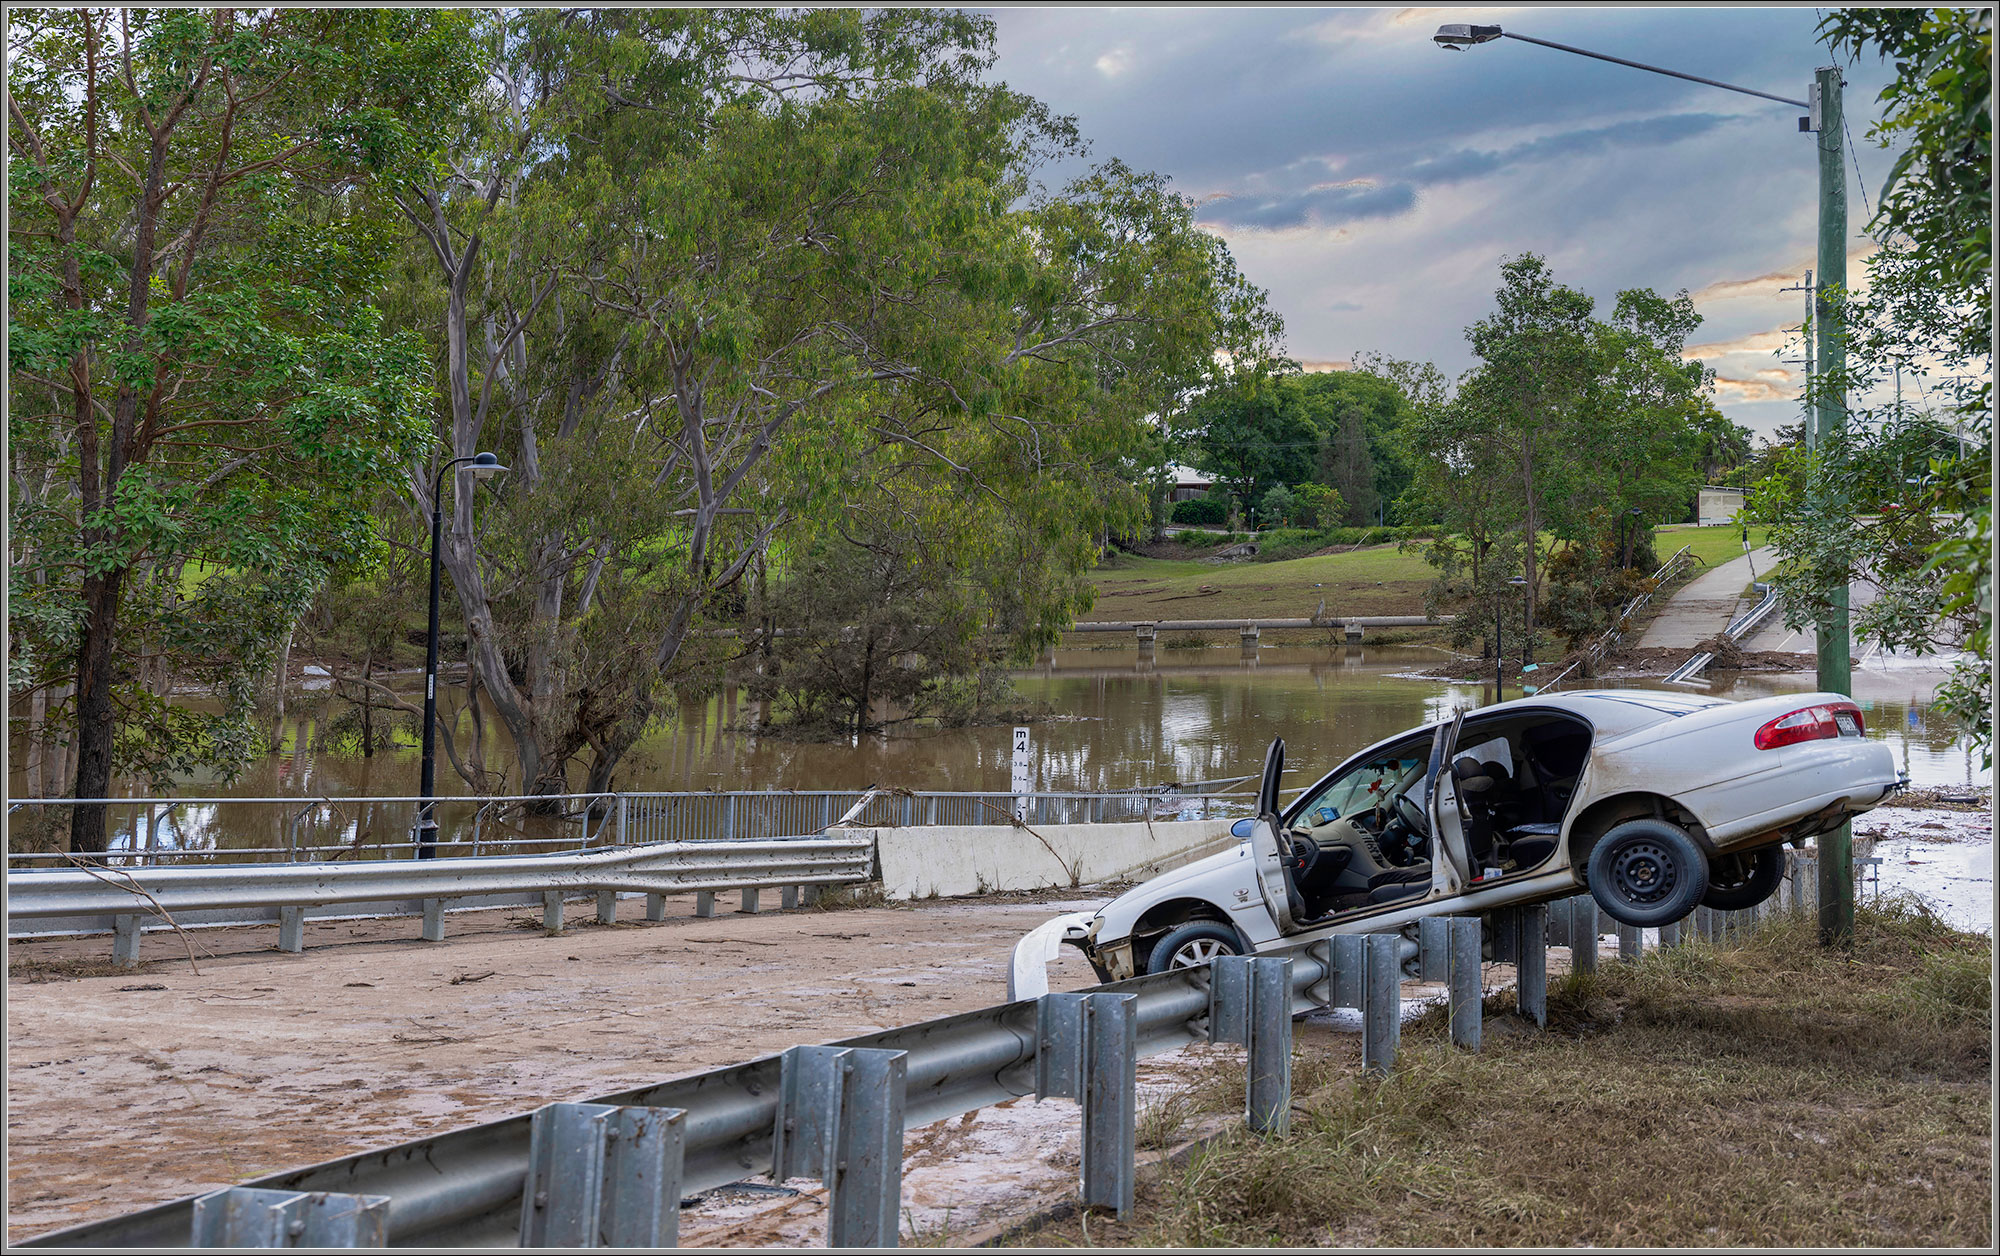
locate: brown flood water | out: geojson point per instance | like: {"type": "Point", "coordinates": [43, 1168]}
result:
{"type": "Point", "coordinates": [1117, 720]}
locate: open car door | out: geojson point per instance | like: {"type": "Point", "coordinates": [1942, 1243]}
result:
{"type": "Point", "coordinates": [1451, 867]}
{"type": "Point", "coordinates": [1271, 849]}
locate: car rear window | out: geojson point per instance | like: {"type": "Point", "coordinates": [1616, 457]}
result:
{"type": "Point", "coordinates": [1675, 704]}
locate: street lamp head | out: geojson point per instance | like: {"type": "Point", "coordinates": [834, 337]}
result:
{"type": "Point", "coordinates": [485, 466]}
{"type": "Point", "coordinates": [1517, 581]}
{"type": "Point", "coordinates": [1458, 37]}
{"type": "Point", "coordinates": [1636, 510]}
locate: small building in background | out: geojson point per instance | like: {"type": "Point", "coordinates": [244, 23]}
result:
{"type": "Point", "coordinates": [1716, 505]}
{"type": "Point", "coordinates": [1188, 483]}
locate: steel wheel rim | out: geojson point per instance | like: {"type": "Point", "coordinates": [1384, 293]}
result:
{"type": "Point", "coordinates": [1644, 872]}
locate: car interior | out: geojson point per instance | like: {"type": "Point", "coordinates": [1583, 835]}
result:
{"type": "Point", "coordinates": [1364, 839]}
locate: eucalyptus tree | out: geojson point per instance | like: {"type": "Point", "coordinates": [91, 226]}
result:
{"type": "Point", "coordinates": [203, 398]}
{"type": "Point", "coordinates": [701, 272]}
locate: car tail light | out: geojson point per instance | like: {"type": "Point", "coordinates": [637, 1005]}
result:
{"type": "Point", "coordinates": [1815, 723]}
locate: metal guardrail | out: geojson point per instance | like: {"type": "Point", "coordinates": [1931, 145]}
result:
{"type": "Point", "coordinates": [96, 899]}
{"type": "Point", "coordinates": [1739, 627]}
{"type": "Point", "coordinates": [614, 1169]}
{"type": "Point", "coordinates": [159, 831]}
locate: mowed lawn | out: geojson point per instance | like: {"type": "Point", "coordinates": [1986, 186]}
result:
{"type": "Point", "coordinates": [1377, 580]}
{"type": "Point", "coordinates": [1373, 581]}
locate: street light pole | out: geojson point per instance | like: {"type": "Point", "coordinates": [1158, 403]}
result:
{"type": "Point", "coordinates": [1829, 411]}
{"type": "Point", "coordinates": [482, 465]}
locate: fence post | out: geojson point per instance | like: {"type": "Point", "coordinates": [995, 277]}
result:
{"type": "Point", "coordinates": [1382, 1019]}
{"type": "Point", "coordinates": [1250, 1003]}
{"type": "Point", "coordinates": [247, 1217]}
{"type": "Point", "coordinates": [622, 819]}
{"type": "Point", "coordinates": [840, 1119]}
{"type": "Point", "coordinates": [1468, 993]}
{"type": "Point", "coordinates": [729, 818]}
{"type": "Point", "coordinates": [1087, 1050]}
{"type": "Point", "coordinates": [601, 1175]}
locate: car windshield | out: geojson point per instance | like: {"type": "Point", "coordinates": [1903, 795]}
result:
{"type": "Point", "coordinates": [1363, 788]}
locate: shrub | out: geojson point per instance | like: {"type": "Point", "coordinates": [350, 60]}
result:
{"type": "Point", "coordinates": [1205, 510]}
{"type": "Point", "coordinates": [1193, 539]}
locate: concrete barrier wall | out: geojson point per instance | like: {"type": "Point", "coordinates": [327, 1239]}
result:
{"type": "Point", "coordinates": [950, 860]}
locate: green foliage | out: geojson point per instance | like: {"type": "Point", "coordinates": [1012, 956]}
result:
{"type": "Point", "coordinates": [1339, 429]}
{"type": "Point", "coordinates": [1849, 509]}
{"type": "Point", "coordinates": [1200, 510]}
{"type": "Point", "coordinates": [1540, 452]}
{"type": "Point", "coordinates": [200, 379]}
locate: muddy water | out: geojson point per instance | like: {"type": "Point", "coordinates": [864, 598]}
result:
{"type": "Point", "coordinates": [1117, 720]}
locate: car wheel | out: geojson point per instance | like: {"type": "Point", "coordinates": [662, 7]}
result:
{"type": "Point", "coordinates": [1743, 880]}
{"type": "Point", "coordinates": [1193, 945]}
{"type": "Point", "coordinates": [1647, 873]}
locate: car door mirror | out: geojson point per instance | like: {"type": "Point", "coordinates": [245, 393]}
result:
{"type": "Point", "coordinates": [1241, 829]}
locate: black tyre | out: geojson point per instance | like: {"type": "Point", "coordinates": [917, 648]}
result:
{"type": "Point", "coordinates": [1193, 944]}
{"type": "Point", "coordinates": [1647, 873]}
{"type": "Point", "coordinates": [1742, 880]}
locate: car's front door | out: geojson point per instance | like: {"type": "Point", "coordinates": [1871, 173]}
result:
{"type": "Point", "coordinates": [1269, 846]}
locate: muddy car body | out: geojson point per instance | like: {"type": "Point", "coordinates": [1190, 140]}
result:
{"type": "Point", "coordinates": [1656, 802]}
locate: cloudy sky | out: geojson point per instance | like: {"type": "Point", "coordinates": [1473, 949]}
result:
{"type": "Point", "coordinates": [1372, 182]}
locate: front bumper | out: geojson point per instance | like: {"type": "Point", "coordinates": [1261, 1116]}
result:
{"type": "Point", "coordinates": [1028, 974]}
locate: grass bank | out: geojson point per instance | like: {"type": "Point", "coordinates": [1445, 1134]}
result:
{"type": "Point", "coordinates": [1768, 1094]}
{"type": "Point", "coordinates": [1374, 581]}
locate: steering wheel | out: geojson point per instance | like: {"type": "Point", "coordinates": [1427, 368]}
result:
{"type": "Point", "coordinates": [1412, 815]}
{"type": "Point", "coordinates": [1305, 855]}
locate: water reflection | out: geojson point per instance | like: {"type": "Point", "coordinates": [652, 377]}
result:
{"type": "Point", "coordinates": [1119, 721]}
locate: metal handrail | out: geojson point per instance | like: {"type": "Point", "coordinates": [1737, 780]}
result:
{"type": "Point", "coordinates": [1611, 636]}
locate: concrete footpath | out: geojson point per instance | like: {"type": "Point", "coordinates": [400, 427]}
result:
{"type": "Point", "coordinates": [1707, 603]}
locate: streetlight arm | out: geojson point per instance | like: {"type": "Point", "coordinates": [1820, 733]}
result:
{"type": "Point", "coordinates": [1640, 65]}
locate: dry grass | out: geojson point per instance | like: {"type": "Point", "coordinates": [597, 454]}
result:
{"type": "Point", "coordinates": [1769, 1094]}
{"type": "Point", "coordinates": [39, 970]}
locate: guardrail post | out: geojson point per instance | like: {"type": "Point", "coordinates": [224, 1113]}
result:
{"type": "Point", "coordinates": [1382, 1019]}
{"type": "Point", "coordinates": [840, 1119]}
{"type": "Point", "coordinates": [704, 903]}
{"type": "Point", "coordinates": [1434, 949]}
{"type": "Point", "coordinates": [1583, 933]}
{"type": "Point", "coordinates": [788, 898]}
{"type": "Point", "coordinates": [1506, 935]}
{"type": "Point", "coordinates": [433, 920]}
{"type": "Point", "coordinates": [1531, 974]}
{"type": "Point", "coordinates": [656, 907]}
{"type": "Point", "coordinates": [125, 941]}
{"type": "Point", "coordinates": [1250, 1003]}
{"type": "Point", "coordinates": [552, 910]}
{"type": "Point", "coordinates": [1670, 934]}
{"type": "Point", "coordinates": [1087, 1050]}
{"type": "Point", "coordinates": [622, 809]}
{"type": "Point", "coordinates": [292, 929]}
{"type": "Point", "coordinates": [1468, 991]}
{"type": "Point", "coordinates": [1349, 987]}
{"type": "Point", "coordinates": [1632, 943]}
{"type": "Point", "coordinates": [601, 1175]}
{"type": "Point", "coordinates": [751, 904]}
{"type": "Point", "coordinates": [245, 1217]}
{"type": "Point", "coordinates": [607, 907]}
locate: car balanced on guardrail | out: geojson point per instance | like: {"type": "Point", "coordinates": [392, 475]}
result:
{"type": "Point", "coordinates": [1655, 802]}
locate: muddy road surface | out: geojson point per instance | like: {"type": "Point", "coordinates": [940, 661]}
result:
{"type": "Point", "coordinates": [130, 1088]}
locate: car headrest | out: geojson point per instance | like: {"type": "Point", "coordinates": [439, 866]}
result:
{"type": "Point", "coordinates": [1472, 776]}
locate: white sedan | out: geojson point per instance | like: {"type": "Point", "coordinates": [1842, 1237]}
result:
{"type": "Point", "coordinates": [1656, 802]}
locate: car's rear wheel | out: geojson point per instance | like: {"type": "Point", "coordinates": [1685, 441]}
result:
{"type": "Point", "coordinates": [1742, 880]}
{"type": "Point", "coordinates": [1192, 945]}
{"type": "Point", "coordinates": [1647, 873]}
